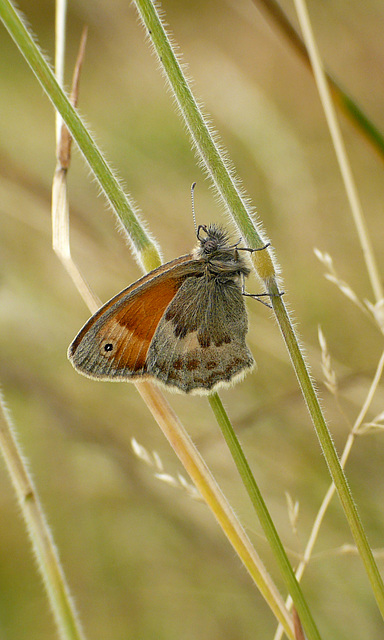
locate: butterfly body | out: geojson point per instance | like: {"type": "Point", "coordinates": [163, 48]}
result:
{"type": "Point", "coordinates": [183, 325]}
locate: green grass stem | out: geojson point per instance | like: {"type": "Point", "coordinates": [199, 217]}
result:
{"type": "Point", "coordinates": [142, 243]}
{"type": "Point", "coordinates": [347, 103]}
{"type": "Point", "coordinates": [222, 176]}
{"type": "Point", "coordinates": [143, 246]}
{"type": "Point", "coordinates": [331, 457]}
{"type": "Point", "coordinates": [266, 522]}
{"type": "Point", "coordinates": [63, 609]}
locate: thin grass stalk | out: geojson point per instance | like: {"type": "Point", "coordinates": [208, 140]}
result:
{"type": "Point", "coordinates": [16, 28]}
{"type": "Point", "coordinates": [338, 143]}
{"type": "Point", "coordinates": [208, 488]}
{"type": "Point", "coordinates": [344, 457]}
{"type": "Point", "coordinates": [221, 175]}
{"type": "Point", "coordinates": [48, 561]}
{"type": "Point", "coordinates": [331, 490]}
{"type": "Point", "coordinates": [269, 528]}
{"type": "Point", "coordinates": [220, 172]}
{"type": "Point", "coordinates": [209, 154]}
{"type": "Point", "coordinates": [144, 248]}
{"type": "Point", "coordinates": [155, 401]}
{"type": "Point", "coordinates": [349, 106]}
{"type": "Point", "coordinates": [333, 462]}
{"type": "Point", "coordinates": [60, 25]}
{"type": "Point", "coordinates": [59, 203]}
{"type": "Point", "coordinates": [63, 609]}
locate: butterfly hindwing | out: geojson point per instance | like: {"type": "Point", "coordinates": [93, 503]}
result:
{"type": "Point", "coordinates": [198, 346]}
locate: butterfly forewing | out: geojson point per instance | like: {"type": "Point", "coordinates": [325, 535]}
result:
{"type": "Point", "coordinates": [115, 341]}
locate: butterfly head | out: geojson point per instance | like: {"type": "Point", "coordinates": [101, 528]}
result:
{"type": "Point", "coordinates": [214, 248]}
{"type": "Point", "coordinates": [213, 240]}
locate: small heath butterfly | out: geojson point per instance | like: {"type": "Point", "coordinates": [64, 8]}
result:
{"type": "Point", "coordinates": [183, 324]}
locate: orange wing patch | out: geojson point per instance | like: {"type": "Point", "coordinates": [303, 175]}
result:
{"type": "Point", "coordinates": [125, 337]}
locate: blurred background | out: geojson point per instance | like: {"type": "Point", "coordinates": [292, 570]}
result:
{"type": "Point", "coordinates": [143, 559]}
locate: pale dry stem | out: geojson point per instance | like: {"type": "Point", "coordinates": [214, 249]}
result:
{"type": "Point", "coordinates": [357, 429]}
{"type": "Point", "coordinates": [60, 207]}
{"type": "Point", "coordinates": [342, 157]}
{"type": "Point", "coordinates": [172, 428]}
{"type": "Point", "coordinates": [48, 561]}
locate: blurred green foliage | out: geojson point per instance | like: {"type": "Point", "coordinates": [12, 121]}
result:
{"type": "Point", "coordinates": [142, 559]}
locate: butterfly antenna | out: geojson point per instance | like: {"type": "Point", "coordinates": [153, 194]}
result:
{"type": "Point", "coordinates": [193, 204]}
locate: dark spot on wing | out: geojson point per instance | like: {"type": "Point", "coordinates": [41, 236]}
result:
{"type": "Point", "coordinates": [170, 314]}
{"type": "Point", "coordinates": [204, 339]}
{"type": "Point", "coordinates": [180, 331]}
{"type": "Point", "coordinates": [226, 339]}
{"type": "Point", "coordinates": [192, 364]}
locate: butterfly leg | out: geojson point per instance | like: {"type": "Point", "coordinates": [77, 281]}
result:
{"type": "Point", "coordinates": [258, 296]}
{"type": "Point", "coordinates": [253, 250]}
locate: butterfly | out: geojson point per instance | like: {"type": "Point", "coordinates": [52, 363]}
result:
{"type": "Point", "coordinates": [182, 325]}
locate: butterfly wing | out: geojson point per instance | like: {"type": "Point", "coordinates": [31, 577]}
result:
{"type": "Point", "coordinates": [199, 343]}
{"type": "Point", "coordinates": [114, 343]}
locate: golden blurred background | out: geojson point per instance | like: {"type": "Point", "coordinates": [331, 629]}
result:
{"type": "Point", "coordinates": [144, 560]}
